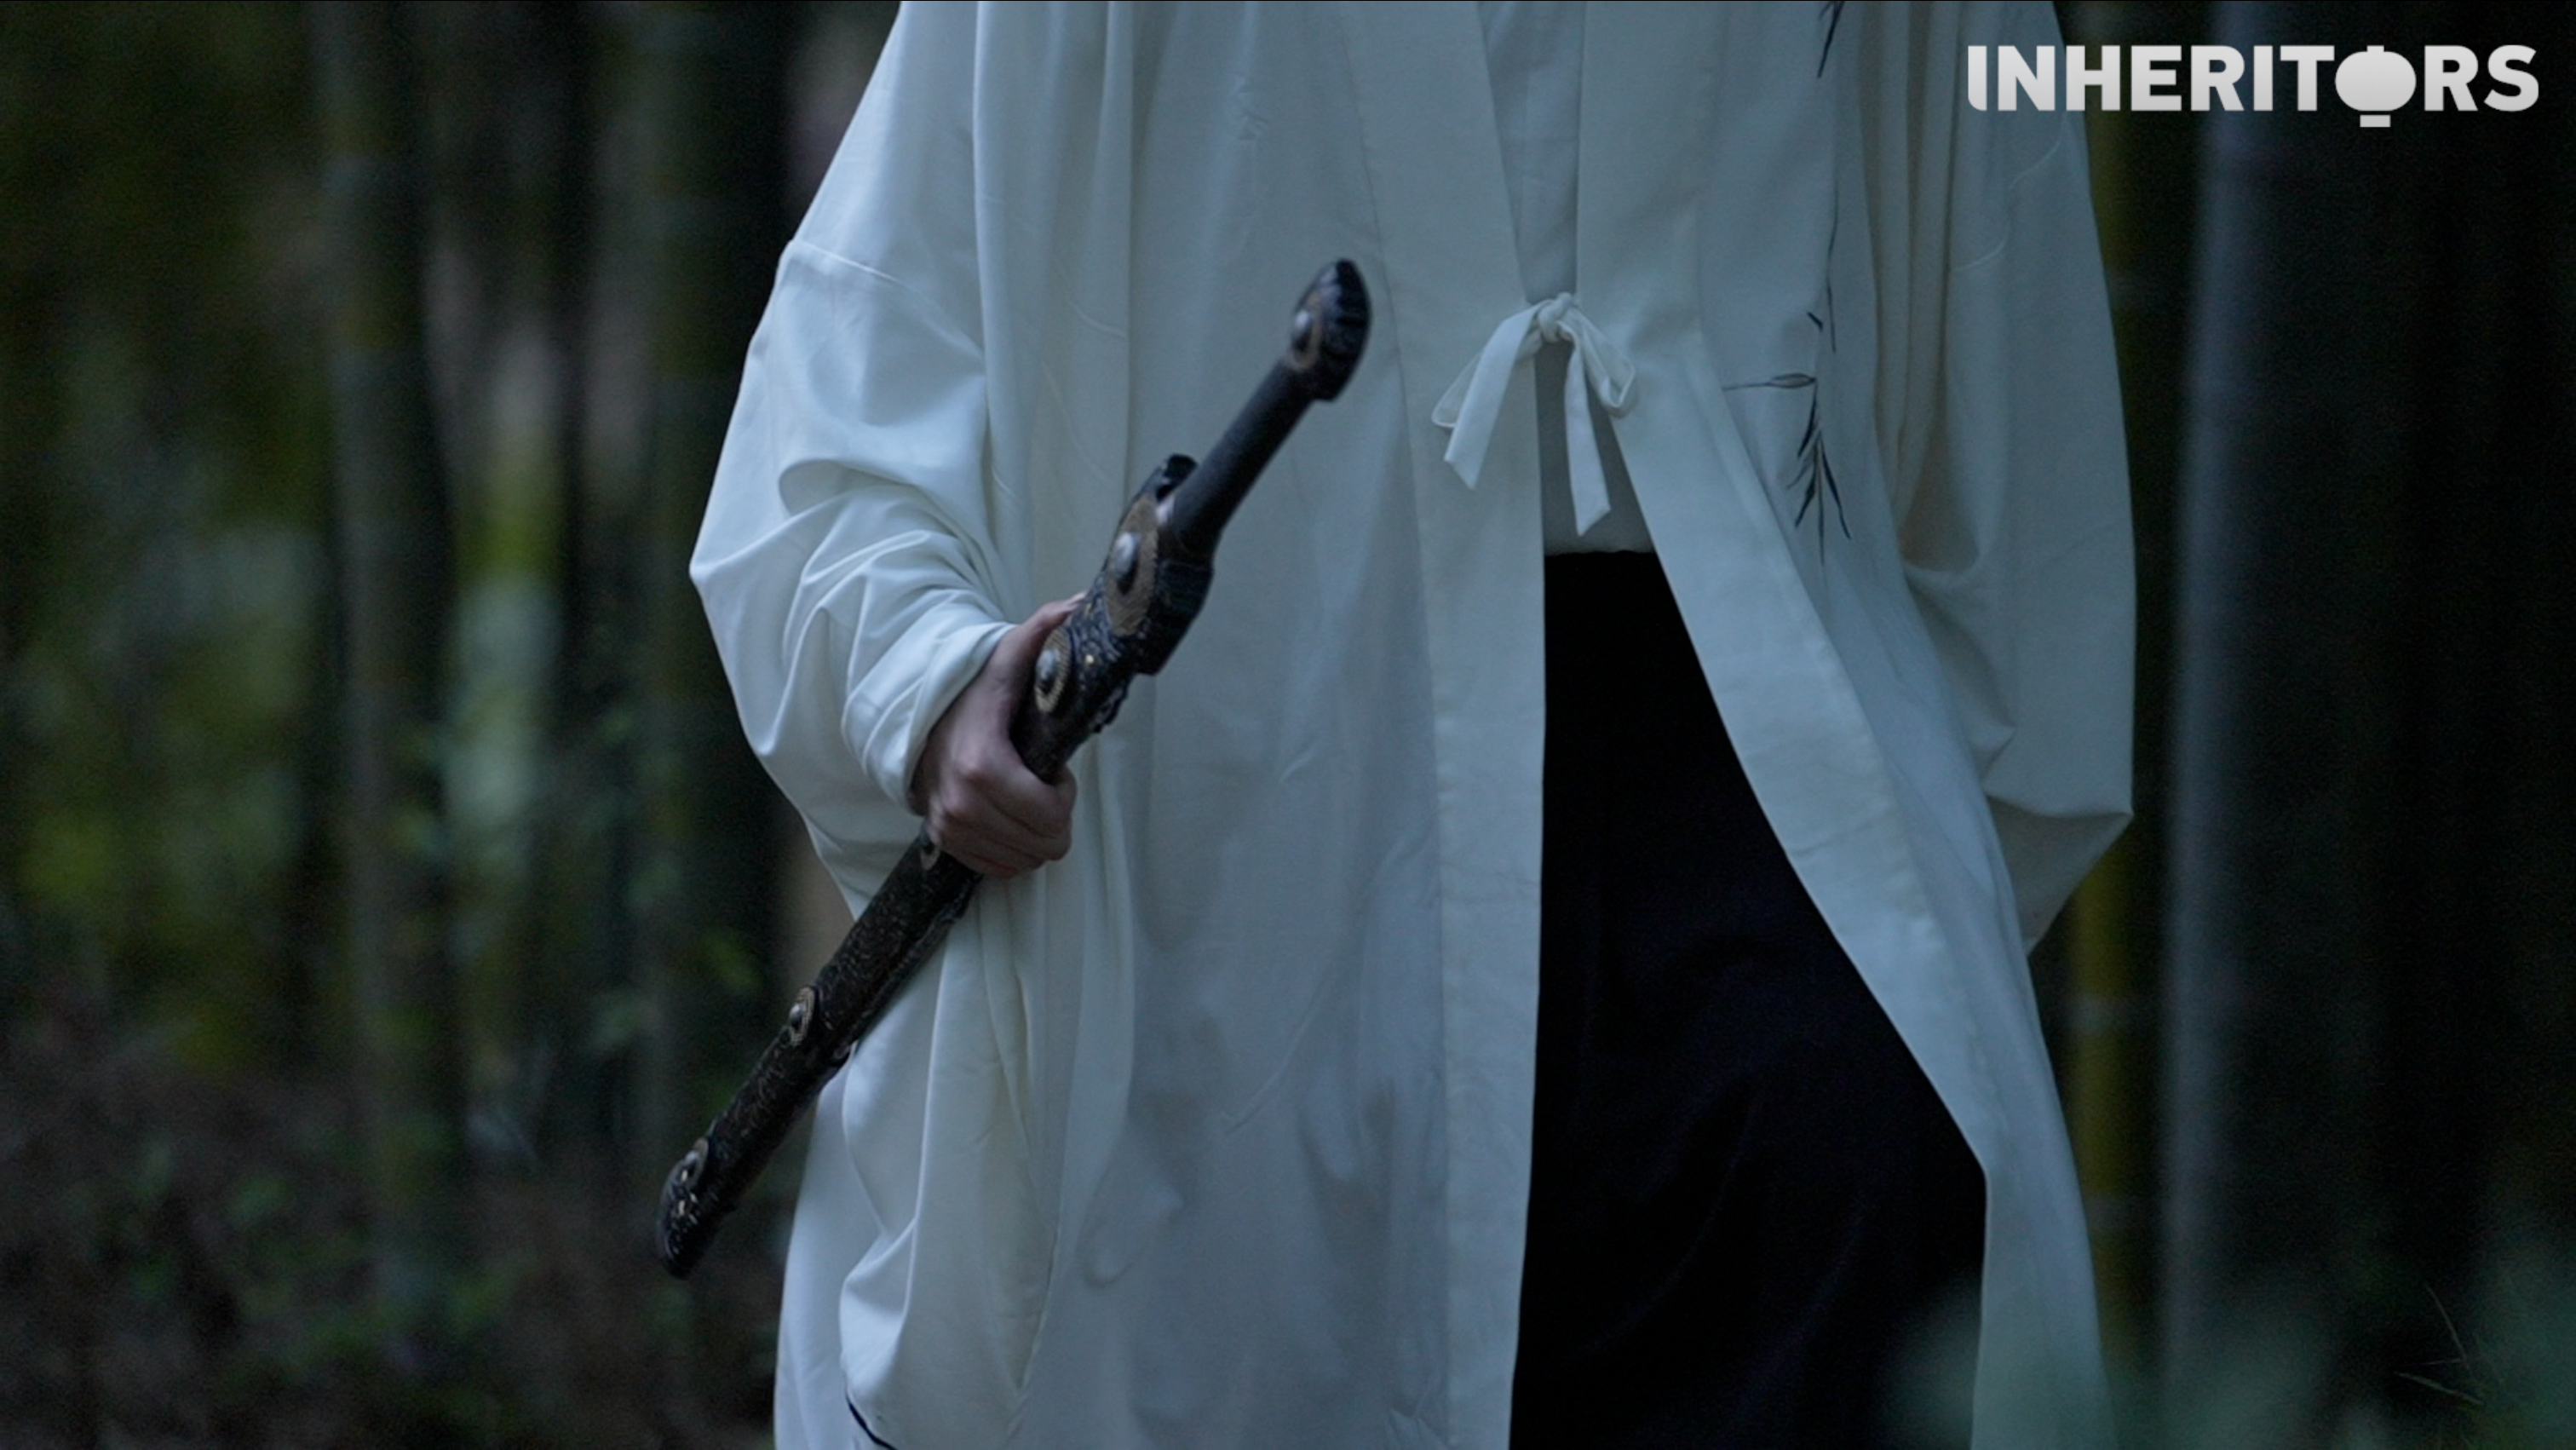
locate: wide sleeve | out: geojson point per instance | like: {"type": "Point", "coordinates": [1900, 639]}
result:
{"type": "Point", "coordinates": [2011, 478]}
{"type": "Point", "coordinates": [847, 561]}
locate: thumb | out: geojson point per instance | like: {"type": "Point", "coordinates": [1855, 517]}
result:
{"type": "Point", "coordinates": [1017, 650]}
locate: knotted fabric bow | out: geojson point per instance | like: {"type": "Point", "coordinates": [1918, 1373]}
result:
{"type": "Point", "coordinates": [1598, 368]}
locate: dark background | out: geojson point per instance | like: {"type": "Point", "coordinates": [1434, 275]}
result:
{"type": "Point", "coordinates": [386, 896]}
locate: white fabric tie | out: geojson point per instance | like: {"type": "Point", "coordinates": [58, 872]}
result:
{"type": "Point", "coordinates": [1474, 403]}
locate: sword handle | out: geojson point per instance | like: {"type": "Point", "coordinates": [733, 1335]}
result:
{"type": "Point", "coordinates": [1157, 573]}
{"type": "Point", "coordinates": [1325, 339]}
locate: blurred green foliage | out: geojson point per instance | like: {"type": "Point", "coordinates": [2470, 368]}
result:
{"type": "Point", "coordinates": [161, 425]}
{"type": "Point", "coordinates": [186, 1264]}
{"type": "Point", "coordinates": [184, 1243]}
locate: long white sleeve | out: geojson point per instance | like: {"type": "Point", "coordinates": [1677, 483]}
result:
{"type": "Point", "coordinates": [2020, 553]}
{"type": "Point", "coordinates": [847, 556]}
{"type": "Point", "coordinates": [2001, 425]}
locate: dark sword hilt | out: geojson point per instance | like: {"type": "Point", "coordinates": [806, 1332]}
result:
{"type": "Point", "coordinates": [1129, 621]}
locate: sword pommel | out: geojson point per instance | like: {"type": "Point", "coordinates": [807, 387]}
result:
{"type": "Point", "coordinates": [1329, 332]}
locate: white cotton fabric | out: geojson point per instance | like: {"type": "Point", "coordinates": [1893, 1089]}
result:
{"type": "Point", "coordinates": [1597, 371]}
{"type": "Point", "coordinates": [1534, 60]}
{"type": "Point", "coordinates": [1216, 1132]}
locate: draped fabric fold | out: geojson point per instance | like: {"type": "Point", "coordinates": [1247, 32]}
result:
{"type": "Point", "coordinates": [1598, 369]}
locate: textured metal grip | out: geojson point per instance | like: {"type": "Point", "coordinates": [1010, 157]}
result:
{"type": "Point", "coordinates": [903, 925]}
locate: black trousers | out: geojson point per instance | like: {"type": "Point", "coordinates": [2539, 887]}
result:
{"type": "Point", "coordinates": [1745, 1196]}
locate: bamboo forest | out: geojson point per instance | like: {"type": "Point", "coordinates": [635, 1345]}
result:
{"type": "Point", "coordinates": [387, 894]}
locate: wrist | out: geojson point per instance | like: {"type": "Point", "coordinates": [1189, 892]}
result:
{"type": "Point", "coordinates": [890, 715]}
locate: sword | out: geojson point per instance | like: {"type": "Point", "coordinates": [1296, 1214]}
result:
{"type": "Point", "coordinates": [1146, 594]}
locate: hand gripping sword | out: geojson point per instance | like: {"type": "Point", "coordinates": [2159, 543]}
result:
{"type": "Point", "coordinates": [1147, 592]}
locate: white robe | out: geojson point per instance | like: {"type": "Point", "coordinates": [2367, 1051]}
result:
{"type": "Point", "coordinates": [1217, 1131]}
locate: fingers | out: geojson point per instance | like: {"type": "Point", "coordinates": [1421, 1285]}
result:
{"type": "Point", "coordinates": [997, 845]}
{"type": "Point", "coordinates": [980, 802]}
{"type": "Point", "coordinates": [996, 854]}
{"type": "Point", "coordinates": [994, 815]}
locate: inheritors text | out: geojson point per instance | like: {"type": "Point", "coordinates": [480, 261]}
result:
{"type": "Point", "coordinates": [2372, 81]}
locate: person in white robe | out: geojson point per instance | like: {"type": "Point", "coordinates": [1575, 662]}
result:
{"type": "Point", "coordinates": [1217, 1130]}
